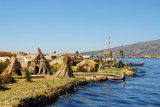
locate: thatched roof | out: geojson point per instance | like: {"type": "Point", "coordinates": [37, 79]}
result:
{"type": "Point", "coordinates": [48, 58]}
{"type": "Point", "coordinates": [57, 61]}
{"type": "Point", "coordinates": [5, 59]}
{"type": "Point", "coordinates": [65, 70]}
{"type": "Point", "coordinates": [14, 68]}
{"type": "Point", "coordinates": [88, 62]}
{"type": "Point", "coordinates": [88, 66]}
{"type": "Point", "coordinates": [25, 65]}
{"type": "Point", "coordinates": [27, 59]}
{"type": "Point", "coordinates": [31, 56]}
{"type": "Point", "coordinates": [39, 64]}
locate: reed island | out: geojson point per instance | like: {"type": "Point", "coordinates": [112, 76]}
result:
{"type": "Point", "coordinates": [36, 80]}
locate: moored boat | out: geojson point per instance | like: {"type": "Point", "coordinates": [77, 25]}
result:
{"type": "Point", "coordinates": [135, 64]}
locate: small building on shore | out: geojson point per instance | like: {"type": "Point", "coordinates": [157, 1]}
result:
{"type": "Point", "coordinates": [39, 64]}
{"type": "Point", "coordinates": [14, 68]}
{"type": "Point", "coordinates": [57, 62]}
{"type": "Point", "coordinates": [87, 66]}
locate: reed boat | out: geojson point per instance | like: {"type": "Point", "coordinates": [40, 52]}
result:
{"type": "Point", "coordinates": [110, 76]}
{"type": "Point", "coordinates": [135, 64]}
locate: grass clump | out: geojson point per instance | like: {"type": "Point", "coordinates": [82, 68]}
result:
{"type": "Point", "coordinates": [6, 79]}
{"type": "Point", "coordinates": [28, 75]}
{"type": "Point", "coordinates": [17, 77]}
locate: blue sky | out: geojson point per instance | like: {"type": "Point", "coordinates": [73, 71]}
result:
{"type": "Point", "coordinates": [70, 25]}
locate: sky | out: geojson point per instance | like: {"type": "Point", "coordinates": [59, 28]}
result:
{"type": "Point", "coordinates": [66, 26]}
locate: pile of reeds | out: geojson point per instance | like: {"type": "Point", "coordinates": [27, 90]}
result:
{"type": "Point", "coordinates": [3, 66]}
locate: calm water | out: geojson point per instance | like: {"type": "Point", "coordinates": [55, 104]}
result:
{"type": "Point", "coordinates": [140, 91]}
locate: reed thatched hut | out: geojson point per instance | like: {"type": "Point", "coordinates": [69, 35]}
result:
{"type": "Point", "coordinates": [26, 63]}
{"type": "Point", "coordinates": [87, 66]}
{"type": "Point", "coordinates": [14, 68]}
{"type": "Point", "coordinates": [56, 63]}
{"type": "Point", "coordinates": [108, 59]}
{"type": "Point", "coordinates": [65, 71]}
{"type": "Point", "coordinates": [39, 64]}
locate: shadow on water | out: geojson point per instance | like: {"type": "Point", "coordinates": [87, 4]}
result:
{"type": "Point", "coordinates": [140, 73]}
{"type": "Point", "coordinates": [140, 91]}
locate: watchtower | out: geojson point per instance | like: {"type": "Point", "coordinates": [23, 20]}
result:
{"type": "Point", "coordinates": [120, 55]}
{"type": "Point", "coordinates": [107, 58]}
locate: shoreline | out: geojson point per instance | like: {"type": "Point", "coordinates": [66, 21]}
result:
{"type": "Point", "coordinates": [34, 93]}
{"type": "Point", "coordinates": [44, 91]}
{"type": "Point", "coordinates": [51, 95]}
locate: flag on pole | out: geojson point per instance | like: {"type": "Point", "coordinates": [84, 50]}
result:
{"type": "Point", "coordinates": [109, 40]}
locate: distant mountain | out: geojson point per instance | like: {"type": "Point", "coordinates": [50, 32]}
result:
{"type": "Point", "coordinates": [151, 48]}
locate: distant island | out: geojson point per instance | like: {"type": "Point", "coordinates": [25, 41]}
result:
{"type": "Point", "coordinates": [150, 48]}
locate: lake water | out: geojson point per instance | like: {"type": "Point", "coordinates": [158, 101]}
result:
{"type": "Point", "coordinates": [140, 91]}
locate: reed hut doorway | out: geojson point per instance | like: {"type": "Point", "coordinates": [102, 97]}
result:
{"type": "Point", "coordinates": [37, 70]}
{"type": "Point", "coordinates": [18, 72]}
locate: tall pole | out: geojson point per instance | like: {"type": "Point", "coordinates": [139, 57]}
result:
{"type": "Point", "coordinates": [108, 46]}
{"type": "Point", "coordinates": [109, 43]}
